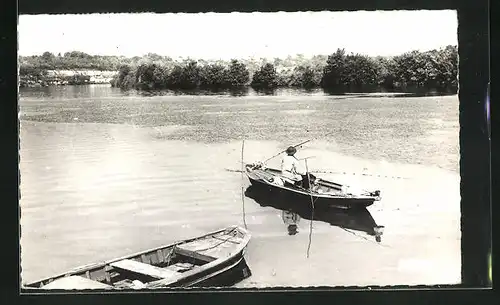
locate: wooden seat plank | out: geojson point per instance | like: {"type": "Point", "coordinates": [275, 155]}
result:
{"type": "Point", "coordinates": [185, 251]}
{"type": "Point", "coordinates": [181, 267]}
{"type": "Point", "coordinates": [75, 282]}
{"type": "Point", "coordinates": [142, 268]}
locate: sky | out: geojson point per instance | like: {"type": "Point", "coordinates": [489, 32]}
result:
{"type": "Point", "coordinates": [238, 35]}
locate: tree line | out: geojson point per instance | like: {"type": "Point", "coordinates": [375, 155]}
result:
{"type": "Point", "coordinates": [434, 70]}
{"type": "Point", "coordinates": [74, 60]}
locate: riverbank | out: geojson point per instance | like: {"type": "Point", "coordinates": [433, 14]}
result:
{"type": "Point", "coordinates": [66, 77]}
{"type": "Point", "coordinates": [337, 72]}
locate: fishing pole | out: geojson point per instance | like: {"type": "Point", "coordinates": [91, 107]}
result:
{"type": "Point", "coordinates": [242, 188]}
{"type": "Point", "coordinates": [300, 144]}
{"type": "Point", "coordinates": [312, 209]}
{"type": "Point", "coordinates": [305, 158]}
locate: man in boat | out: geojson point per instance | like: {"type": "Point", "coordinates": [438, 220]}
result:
{"type": "Point", "coordinates": [290, 169]}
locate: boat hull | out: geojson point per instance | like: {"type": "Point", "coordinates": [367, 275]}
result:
{"type": "Point", "coordinates": [224, 274]}
{"type": "Point", "coordinates": [260, 179]}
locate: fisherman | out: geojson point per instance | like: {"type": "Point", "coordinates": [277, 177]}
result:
{"type": "Point", "coordinates": [290, 166]}
{"type": "Point", "coordinates": [290, 169]}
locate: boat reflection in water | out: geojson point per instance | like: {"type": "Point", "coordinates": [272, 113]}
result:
{"type": "Point", "coordinates": [358, 219]}
{"type": "Point", "coordinates": [292, 220]}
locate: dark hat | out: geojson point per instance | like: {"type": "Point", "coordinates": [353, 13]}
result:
{"type": "Point", "coordinates": [291, 150]}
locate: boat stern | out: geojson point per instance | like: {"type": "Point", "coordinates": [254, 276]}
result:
{"type": "Point", "coordinates": [377, 195]}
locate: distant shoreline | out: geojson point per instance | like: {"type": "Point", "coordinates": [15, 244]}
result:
{"type": "Point", "coordinates": [66, 77]}
{"type": "Point", "coordinates": [340, 72]}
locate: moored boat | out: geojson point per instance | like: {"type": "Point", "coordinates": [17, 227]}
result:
{"type": "Point", "coordinates": [196, 262]}
{"type": "Point", "coordinates": [323, 192]}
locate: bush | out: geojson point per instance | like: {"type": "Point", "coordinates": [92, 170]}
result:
{"type": "Point", "coordinates": [266, 77]}
{"type": "Point", "coordinates": [237, 74]}
{"type": "Point", "coordinates": [213, 76]}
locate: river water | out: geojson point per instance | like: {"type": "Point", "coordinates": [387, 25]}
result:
{"type": "Point", "coordinates": [105, 173]}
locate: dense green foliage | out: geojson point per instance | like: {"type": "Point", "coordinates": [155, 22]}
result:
{"type": "Point", "coordinates": [188, 74]}
{"type": "Point", "coordinates": [72, 61]}
{"type": "Point", "coordinates": [266, 77]}
{"type": "Point", "coordinates": [434, 70]}
{"type": "Point", "coordinates": [350, 72]}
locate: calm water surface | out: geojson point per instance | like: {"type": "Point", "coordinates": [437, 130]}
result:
{"type": "Point", "coordinates": [420, 130]}
{"type": "Point", "coordinates": [105, 173]}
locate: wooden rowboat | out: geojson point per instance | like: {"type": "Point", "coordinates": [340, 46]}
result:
{"type": "Point", "coordinates": [324, 193]}
{"type": "Point", "coordinates": [199, 261]}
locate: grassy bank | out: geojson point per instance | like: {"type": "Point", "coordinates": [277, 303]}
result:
{"type": "Point", "coordinates": [65, 77]}
{"type": "Point", "coordinates": [340, 72]}
{"type": "Point", "coordinates": [71, 68]}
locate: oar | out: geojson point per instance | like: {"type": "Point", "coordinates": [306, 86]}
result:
{"type": "Point", "coordinates": [234, 170]}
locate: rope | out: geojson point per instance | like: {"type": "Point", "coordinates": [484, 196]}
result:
{"type": "Point", "coordinates": [362, 174]}
{"type": "Point", "coordinates": [338, 173]}
{"type": "Point", "coordinates": [312, 210]}
{"type": "Point", "coordinates": [218, 244]}
{"type": "Point", "coordinates": [170, 255]}
{"type": "Point", "coordinates": [242, 188]}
